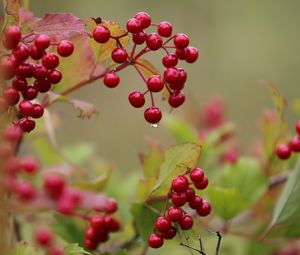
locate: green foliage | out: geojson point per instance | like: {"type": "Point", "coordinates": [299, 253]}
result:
{"type": "Point", "coordinates": [75, 249]}
{"type": "Point", "coordinates": [23, 248]}
{"type": "Point", "coordinates": [78, 153]}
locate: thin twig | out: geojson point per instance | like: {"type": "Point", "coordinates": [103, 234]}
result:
{"type": "Point", "coordinates": [192, 248]}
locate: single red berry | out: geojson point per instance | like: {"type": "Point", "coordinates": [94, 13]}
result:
{"type": "Point", "coordinates": [25, 70]}
{"type": "Point", "coordinates": [111, 206]}
{"type": "Point", "coordinates": [182, 75]}
{"type": "Point", "coordinates": [65, 48]}
{"type": "Point", "coordinates": [42, 85]}
{"type": "Point", "coordinates": [169, 234]}
{"type": "Point", "coordinates": [21, 52]}
{"type": "Point", "coordinates": [13, 134]}
{"type": "Point", "coordinates": [164, 29]}
{"type": "Point", "coordinates": [119, 55]}
{"type": "Point", "coordinates": [101, 34]}
{"type": "Point", "coordinates": [26, 107]}
{"type": "Point", "coordinates": [176, 99]}
{"type": "Point", "coordinates": [19, 83]}
{"type": "Point", "coordinates": [26, 191]}
{"type": "Point", "coordinates": [197, 174]}
{"type": "Point", "coordinates": [283, 151]}
{"type": "Point", "coordinates": [30, 93]}
{"type": "Point", "coordinates": [174, 213]}
{"type": "Point", "coordinates": [44, 237]}
{"type": "Point", "coordinates": [155, 83]}
{"type": "Point", "coordinates": [54, 76]}
{"type": "Point", "coordinates": [91, 234]}
{"type": "Point", "coordinates": [26, 125]}
{"type": "Point", "coordinates": [297, 127]}
{"type": "Point", "coordinates": [89, 244]}
{"type": "Point", "coordinates": [294, 144]}
{"type": "Point", "coordinates": [36, 53]}
{"type": "Point", "coordinates": [170, 60]}
{"type": "Point", "coordinates": [40, 72]}
{"type": "Point", "coordinates": [191, 54]}
{"type": "Point", "coordinates": [56, 251]}
{"type": "Point", "coordinates": [54, 185]}
{"type": "Point", "coordinates": [152, 114]}
{"type": "Point", "coordinates": [196, 203]}
{"type": "Point", "coordinates": [114, 226]}
{"type": "Point", "coordinates": [11, 37]}
{"type": "Point", "coordinates": [136, 99]}
{"type": "Point", "coordinates": [8, 68]}
{"type": "Point", "coordinates": [42, 41]}
{"type": "Point", "coordinates": [171, 75]}
{"type": "Point", "coordinates": [139, 38]}
{"type": "Point", "coordinates": [202, 184]}
{"type": "Point", "coordinates": [50, 61]}
{"type": "Point", "coordinates": [11, 95]}
{"type": "Point", "coordinates": [190, 194]}
{"type": "Point", "coordinates": [30, 164]}
{"type": "Point", "coordinates": [155, 241]}
{"type": "Point", "coordinates": [111, 79]}
{"type": "Point", "coordinates": [186, 222]}
{"type": "Point", "coordinates": [154, 41]}
{"type": "Point", "coordinates": [97, 221]}
{"type": "Point", "coordinates": [181, 41]}
{"type": "Point", "coordinates": [180, 183]}
{"type": "Point", "coordinates": [133, 25]}
{"type": "Point", "coordinates": [162, 224]}
{"type": "Point", "coordinates": [65, 204]}
{"type": "Point", "coordinates": [144, 19]}
{"type": "Point", "coordinates": [178, 198]}
{"type": "Point", "coordinates": [205, 208]}
{"type": "Point", "coordinates": [38, 111]}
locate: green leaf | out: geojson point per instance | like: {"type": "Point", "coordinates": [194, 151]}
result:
{"type": "Point", "coordinates": [287, 210]}
{"type": "Point", "coordinates": [75, 249]}
{"type": "Point", "coordinates": [78, 153]}
{"type": "Point", "coordinates": [144, 186]}
{"type": "Point", "coordinates": [23, 248]}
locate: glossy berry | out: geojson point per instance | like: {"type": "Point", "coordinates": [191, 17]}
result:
{"type": "Point", "coordinates": [133, 25]}
{"type": "Point", "coordinates": [171, 75]}
{"type": "Point", "coordinates": [174, 213]}
{"type": "Point", "coordinates": [283, 151]}
{"type": "Point", "coordinates": [205, 208]}
{"type": "Point", "coordinates": [152, 114]}
{"type": "Point", "coordinates": [111, 79]}
{"type": "Point", "coordinates": [186, 222]}
{"type": "Point", "coordinates": [111, 206]}
{"type": "Point", "coordinates": [89, 244]}
{"type": "Point", "coordinates": [30, 93]}
{"type": "Point", "coordinates": [297, 127]}
{"type": "Point", "coordinates": [11, 37]}
{"type": "Point", "coordinates": [30, 165]}
{"type": "Point", "coordinates": [36, 53]}
{"type": "Point", "coordinates": [155, 241]}
{"type": "Point", "coordinates": [42, 41]}
{"type": "Point", "coordinates": [197, 174]}
{"type": "Point", "coordinates": [19, 83]}
{"type": "Point", "coordinates": [178, 198]}
{"type": "Point", "coordinates": [21, 52]}
{"type": "Point", "coordinates": [176, 99]}
{"type": "Point", "coordinates": [44, 237]}
{"type": "Point", "coordinates": [50, 61]}
{"type": "Point", "coordinates": [97, 221]}
{"type": "Point", "coordinates": [54, 76]}
{"type": "Point", "coordinates": [54, 185]}
{"type": "Point", "coordinates": [26, 107]}
{"type": "Point", "coordinates": [294, 144]}
{"type": "Point", "coordinates": [191, 54]}
{"type": "Point", "coordinates": [196, 203]}
{"type": "Point", "coordinates": [8, 68]}
{"type": "Point", "coordinates": [65, 48]}
{"type": "Point", "coordinates": [101, 34]}
{"type": "Point", "coordinates": [162, 224]}
{"type": "Point", "coordinates": [180, 184]}
{"type": "Point", "coordinates": [170, 60]}
{"type": "Point", "coordinates": [27, 125]}
{"type": "Point", "coordinates": [144, 19]}
{"type": "Point", "coordinates": [190, 194]}
{"type": "Point", "coordinates": [136, 99]}
{"type": "Point", "coordinates": [38, 111]}
{"type": "Point", "coordinates": [155, 83]}
{"type": "Point", "coordinates": [25, 70]}
{"type": "Point", "coordinates": [11, 95]}
{"type": "Point", "coordinates": [139, 38]}
{"type": "Point", "coordinates": [154, 41]}
{"type": "Point", "coordinates": [40, 72]}
{"type": "Point", "coordinates": [164, 29]}
{"type": "Point", "coordinates": [181, 41]}
{"type": "Point", "coordinates": [42, 85]}
{"type": "Point", "coordinates": [91, 234]}
{"type": "Point", "coordinates": [169, 234]}
{"type": "Point", "coordinates": [202, 184]}
{"type": "Point", "coordinates": [119, 55]}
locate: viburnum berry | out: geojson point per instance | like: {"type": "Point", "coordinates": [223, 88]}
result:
{"type": "Point", "coordinates": [26, 191]}
{"type": "Point", "coordinates": [134, 25]}
{"type": "Point", "coordinates": [176, 99]}
{"type": "Point", "coordinates": [181, 41]}
{"type": "Point", "coordinates": [180, 184]}
{"type": "Point", "coordinates": [112, 206]}
{"type": "Point", "coordinates": [65, 48]}
{"type": "Point", "coordinates": [56, 251]}
{"type": "Point", "coordinates": [54, 76]}
{"type": "Point", "coordinates": [197, 174]}
{"type": "Point", "coordinates": [38, 111]}
{"type": "Point", "coordinates": [153, 114]}
{"type": "Point", "coordinates": [139, 38]}
{"type": "Point", "coordinates": [8, 68]}
{"type": "Point", "coordinates": [36, 53]}
{"type": "Point", "coordinates": [19, 83]}
{"type": "Point", "coordinates": [170, 60]}
{"type": "Point", "coordinates": [162, 224]}
{"type": "Point", "coordinates": [154, 41]}
{"type": "Point", "coordinates": [42, 41]}
{"type": "Point", "coordinates": [119, 55]}
{"type": "Point", "coordinates": [30, 164]}
{"type": "Point", "coordinates": [144, 19]}
{"type": "Point", "coordinates": [11, 95]}
{"type": "Point", "coordinates": [27, 125]}
{"type": "Point", "coordinates": [283, 151]}
{"type": "Point", "coordinates": [297, 127]}
{"type": "Point", "coordinates": [11, 37]}
{"type": "Point", "coordinates": [30, 93]}
{"type": "Point", "coordinates": [170, 233]}
{"type": "Point", "coordinates": [50, 61]}
{"type": "Point", "coordinates": [111, 79]}
{"type": "Point", "coordinates": [155, 83]}
{"type": "Point", "coordinates": [44, 237]}
{"type": "Point", "coordinates": [186, 222]}
{"type": "Point", "coordinates": [101, 34]}
{"type": "Point", "coordinates": [13, 133]}
{"type": "Point", "coordinates": [26, 107]}
{"type": "Point", "coordinates": [89, 244]}
{"type": "Point", "coordinates": [205, 208]}
{"type": "Point", "coordinates": [25, 70]}
{"type": "Point", "coordinates": [174, 213]}
{"type": "Point", "coordinates": [97, 221]}
{"type": "Point", "coordinates": [40, 72]}
{"type": "Point", "coordinates": [136, 99]}
{"type": "Point", "coordinates": [164, 29]}
{"type": "Point", "coordinates": [42, 85]}
{"type": "Point", "coordinates": [91, 234]}
{"type": "Point", "coordinates": [54, 185]}
{"type": "Point", "coordinates": [196, 203]}
{"type": "Point", "coordinates": [178, 198]}
{"type": "Point", "coordinates": [21, 52]}
{"type": "Point", "coordinates": [171, 75]}
{"type": "Point", "coordinates": [190, 194]}
{"type": "Point", "coordinates": [294, 144]}
{"type": "Point", "coordinates": [155, 241]}
{"type": "Point", "coordinates": [191, 54]}
{"type": "Point", "coordinates": [202, 184]}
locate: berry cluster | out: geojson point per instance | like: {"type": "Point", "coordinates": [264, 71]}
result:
{"type": "Point", "coordinates": [173, 78]}
{"type": "Point", "coordinates": [32, 70]}
{"type": "Point", "coordinates": [181, 193]}
{"type": "Point", "coordinates": [284, 151]}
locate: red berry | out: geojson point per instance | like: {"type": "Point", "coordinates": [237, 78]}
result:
{"type": "Point", "coordinates": [152, 114]}
{"type": "Point", "coordinates": [91, 234]}
{"type": "Point", "coordinates": [19, 83]}
{"type": "Point", "coordinates": [65, 48]}
{"type": "Point", "coordinates": [191, 54]}
{"type": "Point", "coordinates": [38, 111]}
{"type": "Point", "coordinates": [178, 198]}
{"type": "Point", "coordinates": [154, 41]}
{"type": "Point", "coordinates": [171, 75]}
{"type": "Point", "coordinates": [50, 61]}
{"type": "Point", "coordinates": [197, 174]}
{"type": "Point", "coordinates": [26, 191]}
{"type": "Point", "coordinates": [42, 85]}
{"type": "Point", "coordinates": [44, 237]}
{"type": "Point", "coordinates": [13, 133]}
{"type": "Point", "coordinates": [11, 37]}
{"type": "Point", "coordinates": [133, 25]}
{"type": "Point", "coordinates": [26, 107]}
{"type": "Point", "coordinates": [164, 29]}
{"type": "Point", "coordinates": [56, 251]}
{"type": "Point", "coordinates": [169, 234]}
{"type": "Point", "coordinates": [26, 125]}
{"type": "Point", "coordinates": [170, 60]}
{"type": "Point", "coordinates": [54, 76]}
{"type": "Point", "coordinates": [180, 184]}
{"type": "Point", "coordinates": [297, 127]}
{"type": "Point", "coordinates": [205, 208]}
{"type": "Point", "coordinates": [111, 79]}
{"type": "Point", "coordinates": [294, 144]}
{"type": "Point", "coordinates": [139, 38]}
{"type": "Point", "coordinates": [190, 194]}
{"type": "Point", "coordinates": [54, 185]}
{"type": "Point", "coordinates": [155, 83]}
{"type": "Point", "coordinates": [40, 72]}
{"type": "Point", "coordinates": [186, 222]}
{"type": "Point", "coordinates": [202, 184]}
{"type": "Point", "coordinates": [181, 41]}
{"type": "Point", "coordinates": [174, 213]}
{"type": "Point", "coordinates": [112, 206]}
{"type": "Point", "coordinates": [97, 221]}
{"type": "Point", "coordinates": [25, 70]}
{"type": "Point", "coordinates": [136, 99]}
{"type": "Point", "coordinates": [101, 34]}
{"type": "Point", "coordinates": [42, 41]}
{"type": "Point", "coordinates": [176, 99]}
{"type": "Point", "coordinates": [114, 226]}
{"type": "Point", "coordinates": [89, 244]}
{"type": "Point", "coordinates": [283, 151]}
{"type": "Point", "coordinates": [30, 93]}
{"type": "Point", "coordinates": [11, 95]}
{"type": "Point", "coordinates": [162, 224]}
{"type": "Point", "coordinates": [155, 241]}
{"type": "Point", "coordinates": [65, 204]}
{"type": "Point", "coordinates": [196, 203]}
{"type": "Point", "coordinates": [36, 53]}
{"type": "Point", "coordinates": [119, 55]}
{"type": "Point", "coordinates": [29, 164]}
{"type": "Point", "coordinates": [21, 52]}
{"type": "Point", "coordinates": [8, 68]}
{"type": "Point", "coordinates": [180, 53]}
{"type": "Point", "coordinates": [144, 19]}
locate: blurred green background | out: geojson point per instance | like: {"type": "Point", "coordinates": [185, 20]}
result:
{"type": "Point", "coordinates": [241, 42]}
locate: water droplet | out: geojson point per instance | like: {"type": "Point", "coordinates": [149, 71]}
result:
{"type": "Point", "coordinates": [154, 125]}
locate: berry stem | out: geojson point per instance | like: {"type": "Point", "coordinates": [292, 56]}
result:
{"type": "Point", "coordinates": [144, 66]}
{"type": "Point", "coordinates": [154, 199]}
{"type": "Point", "coordinates": [139, 72]}
{"type": "Point", "coordinates": [171, 38]}
{"type": "Point", "coordinates": [132, 51]}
